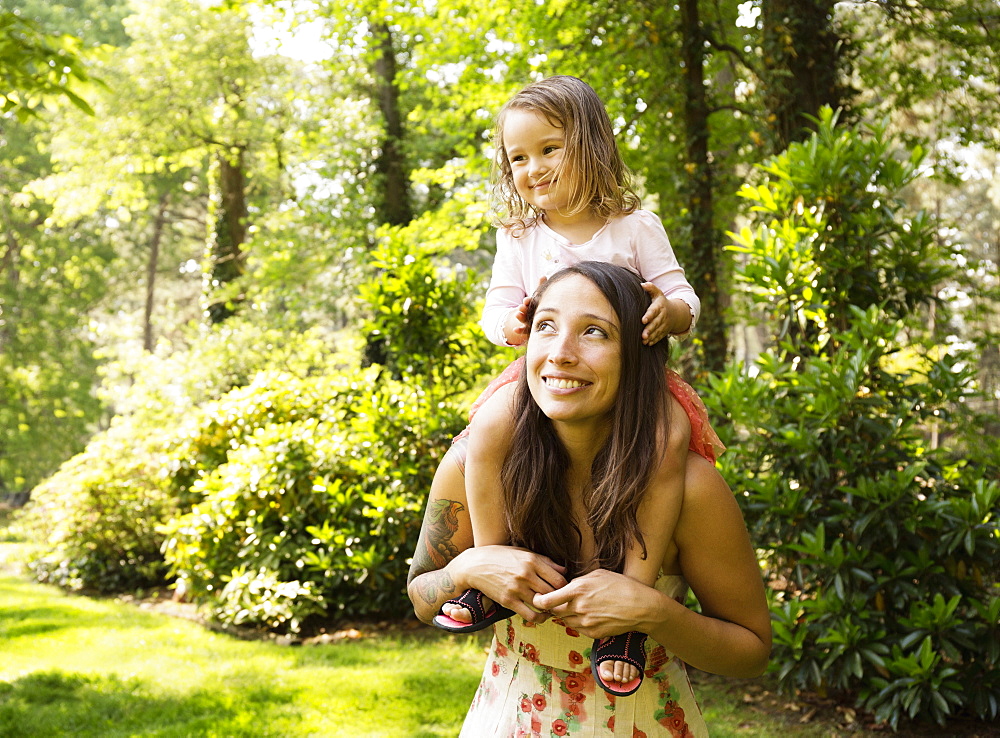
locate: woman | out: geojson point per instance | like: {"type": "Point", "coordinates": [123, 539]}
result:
{"type": "Point", "coordinates": [584, 383]}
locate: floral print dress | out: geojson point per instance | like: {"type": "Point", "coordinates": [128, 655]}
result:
{"type": "Point", "coordinates": [537, 683]}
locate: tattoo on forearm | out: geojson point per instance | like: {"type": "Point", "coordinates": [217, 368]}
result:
{"type": "Point", "coordinates": [436, 546]}
{"type": "Point", "coordinates": [435, 585]}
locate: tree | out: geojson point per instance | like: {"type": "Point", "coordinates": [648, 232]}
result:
{"type": "Point", "coordinates": [49, 275]}
{"type": "Point", "coordinates": [35, 65]}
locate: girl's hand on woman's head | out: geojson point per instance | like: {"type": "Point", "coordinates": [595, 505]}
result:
{"type": "Point", "coordinates": [515, 329]}
{"type": "Point", "coordinates": [657, 318]}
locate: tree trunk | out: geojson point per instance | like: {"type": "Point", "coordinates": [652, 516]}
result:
{"type": "Point", "coordinates": [392, 196]}
{"type": "Point", "coordinates": [226, 233]}
{"type": "Point", "coordinates": [9, 271]}
{"type": "Point", "coordinates": [706, 246]}
{"type": "Point", "coordinates": [152, 264]}
{"type": "Point", "coordinates": [803, 56]}
{"type": "Point", "coordinates": [393, 200]}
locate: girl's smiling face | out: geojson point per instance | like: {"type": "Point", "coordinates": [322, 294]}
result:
{"type": "Point", "coordinates": [535, 150]}
{"type": "Point", "coordinates": [573, 359]}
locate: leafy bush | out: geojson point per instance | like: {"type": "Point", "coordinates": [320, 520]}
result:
{"type": "Point", "coordinates": [92, 524]}
{"type": "Point", "coordinates": [288, 483]}
{"type": "Point", "coordinates": [315, 485]}
{"type": "Point", "coordinates": [422, 320]}
{"type": "Point", "coordinates": [882, 552]}
{"type": "Point", "coordinates": [320, 492]}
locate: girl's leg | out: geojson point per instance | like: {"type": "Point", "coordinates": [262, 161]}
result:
{"type": "Point", "coordinates": [489, 435]}
{"type": "Point", "coordinates": [657, 519]}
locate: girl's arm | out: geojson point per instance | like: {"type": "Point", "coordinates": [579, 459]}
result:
{"type": "Point", "coordinates": [506, 292]}
{"type": "Point", "coordinates": [658, 264]}
{"type": "Point", "coordinates": [732, 634]}
{"type": "Point", "coordinates": [665, 317]}
{"type": "Point", "coordinates": [444, 564]}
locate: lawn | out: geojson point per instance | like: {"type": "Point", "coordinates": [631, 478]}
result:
{"type": "Point", "coordinates": [79, 666]}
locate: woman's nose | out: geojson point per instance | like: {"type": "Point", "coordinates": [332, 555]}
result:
{"type": "Point", "coordinates": [562, 351]}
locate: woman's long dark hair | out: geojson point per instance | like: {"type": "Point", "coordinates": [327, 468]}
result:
{"type": "Point", "coordinates": [534, 475]}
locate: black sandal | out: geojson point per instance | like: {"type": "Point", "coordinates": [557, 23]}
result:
{"type": "Point", "coordinates": [472, 600]}
{"type": "Point", "coordinates": [628, 647]}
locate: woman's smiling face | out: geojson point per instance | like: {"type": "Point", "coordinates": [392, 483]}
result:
{"type": "Point", "coordinates": [573, 359]}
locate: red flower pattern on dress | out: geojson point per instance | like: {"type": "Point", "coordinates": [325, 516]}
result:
{"type": "Point", "coordinates": [562, 693]}
{"type": "Point", "coordinates": [529, 652]}
{"type": "Point", "coordinates": [657, 658]}
{"type": "Point", "coordinates": [673, 719]}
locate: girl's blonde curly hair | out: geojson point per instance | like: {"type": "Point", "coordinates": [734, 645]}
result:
{"type": "Point", "coordinates": [592, 167]}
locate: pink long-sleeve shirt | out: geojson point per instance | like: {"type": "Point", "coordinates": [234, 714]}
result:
{"type": "Point", "coordinates": [636, 241]}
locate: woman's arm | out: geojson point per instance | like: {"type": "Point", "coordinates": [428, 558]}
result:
{"type": "Point", "coordinates": [732, 635]}
{"type": "Point", "coordinates": [444, 564]}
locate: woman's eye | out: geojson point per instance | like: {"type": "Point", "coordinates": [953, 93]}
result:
{"type": "Point", "coordinates": [543, 325]}
{"type": "Point", "coordinates": [595, 331]}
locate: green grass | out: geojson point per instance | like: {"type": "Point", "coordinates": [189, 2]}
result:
{"type": "Point", "coordinates": [82, 667]}
{"type": "Point", "coordinates": [77, 666]}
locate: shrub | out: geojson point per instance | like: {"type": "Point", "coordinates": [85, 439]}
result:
{"type": "Point", "coordinates": [320, 492]}
{"type": "Point", "coordinates": [92, 524]}
{"type": "Point", "coordinates": [882, 551]}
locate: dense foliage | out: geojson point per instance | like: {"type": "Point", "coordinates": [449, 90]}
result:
{"type": "Point", "coordinates": [882, 551]}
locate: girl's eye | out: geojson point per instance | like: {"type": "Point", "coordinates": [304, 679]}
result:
{"type": "Point", "coordinates": [516, 158]}
{"type": "Point", "coordinates": [550, 149]}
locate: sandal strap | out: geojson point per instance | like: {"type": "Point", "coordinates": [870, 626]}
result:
{"type": "Point", "coordinates": [627, 647]}
{"type": "Point", "coordinates": [472, 600]}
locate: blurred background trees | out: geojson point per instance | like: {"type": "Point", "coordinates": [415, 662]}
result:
{"type": "Point", "coordinates": [244, 246]}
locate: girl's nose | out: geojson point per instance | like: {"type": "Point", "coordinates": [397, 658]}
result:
{"type": "Point", "coordinates": [536, 168]}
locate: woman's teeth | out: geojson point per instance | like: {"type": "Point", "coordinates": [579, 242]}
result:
{"type": "Point", "coordinates": [563, 383]}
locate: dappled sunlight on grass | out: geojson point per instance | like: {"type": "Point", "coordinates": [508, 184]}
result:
{"type": "Point", "coordinates": [74, 666]}
{"type": "Point", "coordinates": [71, 665]}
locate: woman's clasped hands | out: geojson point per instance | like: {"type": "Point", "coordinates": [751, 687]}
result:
{"type": "Point", "coordinates": [599, 604]}
{"type": "Point", "coordinates": [511, 576]}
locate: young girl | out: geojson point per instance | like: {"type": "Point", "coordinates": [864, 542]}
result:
{"type": "Point", "coordinates": [568, 198]}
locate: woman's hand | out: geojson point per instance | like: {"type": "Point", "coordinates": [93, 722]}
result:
{"type": "Point", "coordinates": [601, 603]}
{"type": "Point", "coordinates": [511, 576]}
